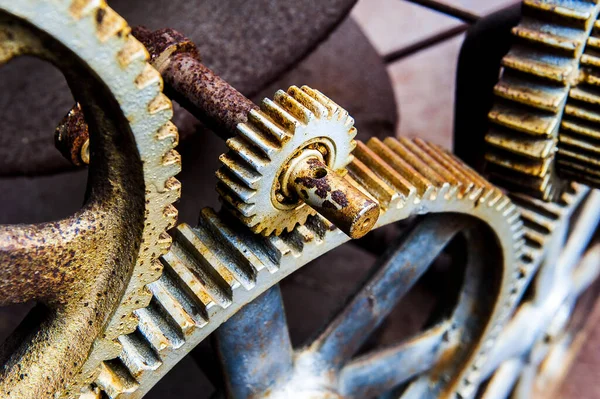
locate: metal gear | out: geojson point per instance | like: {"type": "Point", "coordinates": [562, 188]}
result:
{"type": "Point", "coordinates": [538, 341]}
{"type": "Point", "coordinates": [90, 270]}
{"type": "Point", "coordinates": [252, 180]}
{"type": "Point", "coordinates": [543, 123]}
{"type": "Point", "coordinates": [213, 270]}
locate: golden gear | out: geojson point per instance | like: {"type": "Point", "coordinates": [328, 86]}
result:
{"type": "Point", "coordinates": [223, 266]}
{"type": "Point", "coordinates": [543, 122]}
{"type": "Point", "coordinates": [252, 179]}
{"type": "Point", "coordinates": [108, 251]}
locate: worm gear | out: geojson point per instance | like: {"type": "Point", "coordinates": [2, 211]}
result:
{"type": "Point", "coordinates": [89, 270]}
{"type": "Point", "coordinates": [296, 124]}
{"type": "Point", "coordinates": [543, 124]}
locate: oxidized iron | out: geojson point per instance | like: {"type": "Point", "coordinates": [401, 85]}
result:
{"type": "Point", "coordinates": [72, 137]}
{"type": "Point", "coordinates": [81, 267]}
{"type": "Point", "coordinates": [126, 308]}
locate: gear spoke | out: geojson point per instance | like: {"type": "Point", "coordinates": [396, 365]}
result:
{"type": "Point", "coordinates": [396, 273]}
{"type": "Point", "coordinates": [254, 346]}
{"type": "Point", "coordinates": [39, 261]}
{"type": "Point", "coordinates": [375, 373]}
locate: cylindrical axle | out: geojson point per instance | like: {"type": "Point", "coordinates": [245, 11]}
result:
{"type": "Point", "coordinates": [333, 197]}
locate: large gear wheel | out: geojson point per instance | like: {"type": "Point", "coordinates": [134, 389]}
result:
{"type": "Point", "coordinates": [295, 123]}
{"type": "Point", "coordinates": [544, 122]}
{"type": "Point", "coordinates": [213, 270]}
{"type": "Point", "coordinates": [89, 270]}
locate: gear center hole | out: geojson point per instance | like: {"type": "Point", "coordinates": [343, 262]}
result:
{"type": "Point", "coordinates": [319, 173]}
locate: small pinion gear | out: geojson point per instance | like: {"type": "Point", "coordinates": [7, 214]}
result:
{"type": "Point", "coordinates": [251, 179]}
{"type": "Point", "coordinates": [545, 123]}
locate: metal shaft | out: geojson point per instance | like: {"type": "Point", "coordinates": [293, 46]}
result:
{"type": "Point", "coordinates": [333, 197]}
{"type": "Point", "coordinates": [192, 84]}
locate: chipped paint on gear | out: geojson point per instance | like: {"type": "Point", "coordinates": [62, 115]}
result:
{"type": "Point", "coordinates": [544, 130]}
{"type": "Point", "coordinates": [264, 145]}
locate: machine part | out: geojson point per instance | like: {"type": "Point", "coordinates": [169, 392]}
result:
{"type": "Point", "coordinates": [213, 270]}
{"type": "Point", "coordinates": [72, 137]}
{"type": "Point", "coordinates": [330, 195]}
{"type": "Point", "coordinates": [89, 272]}
{"type": "Point", "coordinates": [192, 84]}
{"type": "Point", "coordinates": [283, 133]}
{"type": "Point", "coordinates": [260, 155]}
{"type": "Point", "coordinates": [428, 363]}
{"type": "Point", "coordinates": [543, 101]}
{"type": "Point", "coordinates": [535, 344]}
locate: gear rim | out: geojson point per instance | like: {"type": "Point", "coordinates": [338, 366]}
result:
{"type": "Point", "coordinates": [103, 46]}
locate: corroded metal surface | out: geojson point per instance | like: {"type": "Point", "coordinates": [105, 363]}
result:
{"type": "Point", "coordinates": [334, 198]}
{"type": "Point", "coordinates": [80, 268]}
{"type": "Point", "coordinates": [192, 84]}
{"type": "Point", "coordinates": [221, 265]}
{"type": "Point", "coordinates": [72, 137]}
{"type": "Point", "coordinates": [543, 123]}
{"type": "Point", "coordinates": [299, 120]}
{"type": "Point", "coordinates": [242, 59]}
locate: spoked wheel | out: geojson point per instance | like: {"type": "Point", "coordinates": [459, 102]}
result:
{"type": "Point", "coordinates": [259, 361]}
{"type": "Point", "coordinates": [537, 347]}
{"type": "Point", "coordinates": [88, 272]}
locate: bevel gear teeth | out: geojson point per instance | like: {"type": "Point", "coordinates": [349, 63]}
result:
{"type": "Point", "coordinates": [293, 120]}
{"type": "Point", "coordinates": [540, 76]}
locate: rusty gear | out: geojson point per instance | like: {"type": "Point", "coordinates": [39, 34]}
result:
{"type": "Point", "coordinates": [90, 269]}
{"type": "Point", "coordinates": [543, 123]}
{"type": "Point", "coordinates": [252, 178]}
{"type": "Point", "coordinates": [221, 266]}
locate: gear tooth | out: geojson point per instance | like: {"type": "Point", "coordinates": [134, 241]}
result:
{"type": "Point", "coordinates": [226, 194]}
{"type": "Point", "coordinates": [384, 171]}
{"type": "Point", "coordinates": [266, 125]}
{"type": "Point", "coordinates": [237, 186]}
{"type": "Point", "coordinates": [257, 138]}
{"type": "Point", "coordinates": [536, 63]}
{"type": "Point", "coordinates": [584, 114]}
{"type": "Point", "coordinates": [278, 111]}
{"type": "Point", "coordinates": [533, 94]}
{"type": "Point", "coordinates": [168, 133]}
{"type": "Point", "coordinates": [467, 184]}
{"type": "Point", "coordinates": [588, 95]}
{"type": "Point", "coordinates": [237, 166]}
{"type": "Point", "coordinates": [529, 147]}
{"type": "Point", "coordinates": [555, 39]}
{"type": "Point", "coordinates": [132, 52]}
{"type": "Point", "coordinates": [577, 11]}
{"type": "Point", "coordinates": [294, 108]}
{"type": "Point", "coordinates": [437, 168]}
{"type": "Point", "coordinates": [243, 149]}
{"type": "Point", "coordinates": [523, 120]}
{"type": "Point", "coordinates": [383, 192]}
{"type": "Point", "coordinates": [328, 103]}
{"type": "Point", "coordinates": [399, 147]}
{"type": "Point", "coordinates": [318, 109]}
{"type": "Point", "coordinates": [110, 24]}
{"type": "Point", "coordinates": [582, 145]}
{"type": "Point", "coordinates": [406, 170]}
{"type": "Point", "coordinates": [530, 167]}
